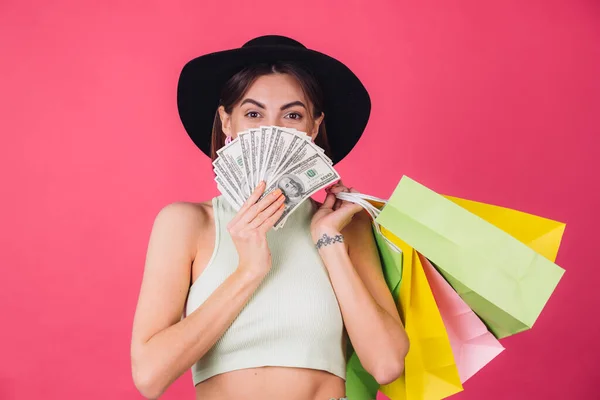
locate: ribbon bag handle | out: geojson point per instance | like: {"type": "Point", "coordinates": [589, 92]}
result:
{"type": "Point", "coordinates": [366, 201]}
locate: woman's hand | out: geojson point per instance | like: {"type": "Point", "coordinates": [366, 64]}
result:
{"type": "Point", "coordinates": [248, 230]}
{"type": "Point", "coordinates": [334, 214]}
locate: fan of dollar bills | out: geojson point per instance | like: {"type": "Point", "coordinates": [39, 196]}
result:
{"type": "Point", "coordinates": [282, 157]}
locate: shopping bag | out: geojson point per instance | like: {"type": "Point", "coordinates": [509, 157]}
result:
{"type": "Point", "coordinates": [381, 396]}
{"type": "Point", "coordinates": [389, 253]}
{"type": "Point", "coordinates": [505, 282]}
{"type": "Point", "coordinates": [430, 371]}
{"type": "Point", "coordinates": [540, 234]}
{"type": "Point", "coordinates": [360, 385]}
{"type": "Point", "coordinates": [472, 344]}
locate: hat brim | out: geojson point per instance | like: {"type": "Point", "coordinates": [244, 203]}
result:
{"type": "Point", "coordinates": [347, 104]}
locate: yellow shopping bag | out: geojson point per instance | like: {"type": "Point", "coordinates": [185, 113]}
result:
{"type": "Point", "coordinates": [540, 234]}
{"type": "Point", "coordinates": [430, 372]}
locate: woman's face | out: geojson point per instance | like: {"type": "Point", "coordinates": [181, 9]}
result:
{"type": "Point", "coordinates": [275, 99]}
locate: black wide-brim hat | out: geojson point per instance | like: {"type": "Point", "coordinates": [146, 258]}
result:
{"type": "Point", "coordinates": [347, 104]}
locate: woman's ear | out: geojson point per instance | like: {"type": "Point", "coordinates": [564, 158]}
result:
{"type": "Point", "coordinates": [225, 121]}
{"type": "Point", "coordinates": [316, 125]}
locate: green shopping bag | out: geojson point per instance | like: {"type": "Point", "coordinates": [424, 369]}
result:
{"type": "Point", "coordinates": [505, 282]}
{"type": "Point", "coordinates": [391, 263]}
{"type": "Point", "coordinates": [360, 385]}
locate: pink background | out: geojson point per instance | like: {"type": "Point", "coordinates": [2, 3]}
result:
{"type": "Point", "coordinates": [493, 101]}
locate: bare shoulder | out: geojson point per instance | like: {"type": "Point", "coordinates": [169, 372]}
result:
{"type": "Point", "coordinates": [185, 211]}
{"type": "Point", "coordinates": [185, 215]}
{"type": "Point", "coordinates": [171, 251]}
{"type": "Point", "coordinates": [179, 227]}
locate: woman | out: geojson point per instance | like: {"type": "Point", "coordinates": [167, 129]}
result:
{"type": "Point", "coordinates": [266, 314]}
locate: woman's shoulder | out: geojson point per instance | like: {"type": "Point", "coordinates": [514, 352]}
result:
{"type": "Point", "coordinates": [181, 227]}
{"type": "Point", "coordinates": [192, 216]}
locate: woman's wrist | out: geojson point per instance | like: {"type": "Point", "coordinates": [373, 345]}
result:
{"type": "Point", "coordinates": [250, 276]}
{"type": "Point", "coordinates": [331, 247]}
{"type": "Point", "coordinates": [324, 238]}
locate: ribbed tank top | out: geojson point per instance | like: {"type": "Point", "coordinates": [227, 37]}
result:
{"type": "Point", "coordinates": [293, 318]}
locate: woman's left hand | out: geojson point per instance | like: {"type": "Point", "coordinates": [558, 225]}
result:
{"type": "Point", "coordinates": [334, 214]}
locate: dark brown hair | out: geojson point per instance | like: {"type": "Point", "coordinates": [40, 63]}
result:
{"type": "Point", "coordinates": [237, 86]}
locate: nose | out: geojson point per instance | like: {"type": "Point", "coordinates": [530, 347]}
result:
{"type": "Point", "coordinates": [272, 121]}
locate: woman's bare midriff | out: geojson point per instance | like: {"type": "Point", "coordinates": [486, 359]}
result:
{"type": "Point", "coordinates": [272, 383]}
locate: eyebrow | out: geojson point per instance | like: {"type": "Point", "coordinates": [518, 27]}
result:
{"type": "Point", "coordinates": [256, 103]}
{"type": "Point", "coordinates": [292, 104]}
{"type": "Point", "coordinates": [283, 107]}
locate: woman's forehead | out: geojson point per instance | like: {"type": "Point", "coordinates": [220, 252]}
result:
{"type": "Point", "coordinates": [276, 88]}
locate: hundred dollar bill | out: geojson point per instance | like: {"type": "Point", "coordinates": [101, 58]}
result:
{"type": "Point", "coordinates": [271, 136]}
{"type": "Point", "coordinates": [227, 194]}
{"type": "Point", "coordinates": [288, 154]}
{"type": "Point", "coordinates": [285, 145]}
{"type": "Point", "coordinates": [301, 181]}
{"type": "Point", "coordinates": [246, 155]}
{"type": "Point", "coordinates": [265, 134]}
{"type": "Point", "coordinates": [296, 151]}
{"type": "Point", "coordinates": [305, 136]}
{"type": "Point", "coordinates": [226, 176]}
{"type": "Point", "coordinates": [254, 150]}
{"type": "Point", "coordinates": [280, 142]}
{"type": "Point", "coordinates": [254, 146]}
{"type": "Point", "coordinates": [262, 153]}
{"type": "Point", "coordinates": [251, 154]}
{"type": "Point", "coordinates": [233, 158]}
{"type": "Point", "coordinates": [299, 152]}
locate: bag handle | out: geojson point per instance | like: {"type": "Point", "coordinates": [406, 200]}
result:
{"type": "Point", "coordinates": [365, 200]}
{"type": "Point", "coordinates": [354, 198]}
{"type": "Point", "coordinates": [363, 197]}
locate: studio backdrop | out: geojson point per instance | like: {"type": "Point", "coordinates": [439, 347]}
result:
{"type": "Point", "coordinates": [494, 101]}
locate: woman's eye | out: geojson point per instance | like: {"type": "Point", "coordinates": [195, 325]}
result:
{"type": "Point", "coordinates": [294, 115]}
{"type": "Point", "coordinates": [252, 114]}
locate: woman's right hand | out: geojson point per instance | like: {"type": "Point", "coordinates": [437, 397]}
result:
{"type": "Point", "coordinates": [248, 229]}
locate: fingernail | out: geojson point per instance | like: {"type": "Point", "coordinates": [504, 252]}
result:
{"type": "Point", "coordinates": [276, 192]}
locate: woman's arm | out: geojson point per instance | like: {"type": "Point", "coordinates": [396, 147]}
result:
{"type": "Point", "coordinates": [370, 315]}
{"type": "Point", "coordinates": [163, 346]}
